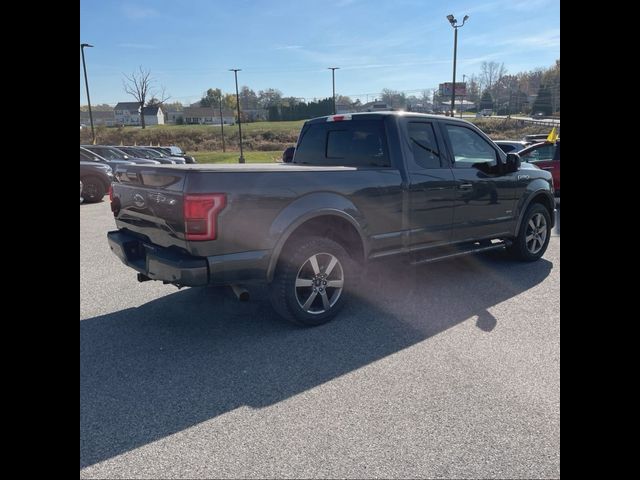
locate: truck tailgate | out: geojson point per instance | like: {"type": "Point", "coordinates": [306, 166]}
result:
{"type": "Point", "coordinates": [148, 201]}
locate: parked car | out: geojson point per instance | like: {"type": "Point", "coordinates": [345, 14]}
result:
{"type": "Point", "coordinates": [487, 112]}
{"type": "Point", "coordinates": [150, 154]}
{"type": "Point", "coordinates": [361, 187]}
{"type": "Point", "coordinates": [545, 155]}
{"type": "Point", "coordinates": [177, 152]}
{"type": "Point", "coordinates": [95, 179]}
{"type": "Point", "coordinates": [511, 145]}
{"type": "Point", "coordinates": [535, 138]}
{"type": "Point", "coordinates": [89, 156]}
{"type": "Point", "coordinates": [113, 153]}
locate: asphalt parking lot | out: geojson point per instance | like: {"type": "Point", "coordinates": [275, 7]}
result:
{"type": "Point", "coordinates": [449, 370]}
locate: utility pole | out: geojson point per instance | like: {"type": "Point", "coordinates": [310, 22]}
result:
{"type": "Point", "coordinates": [86, 82]}
{"type": "Point", "coordinates": [235, 72]}
{"type": "Point", "coordinates": [333, 78]}
{"type": "Point", "coordinates": [221, 123]}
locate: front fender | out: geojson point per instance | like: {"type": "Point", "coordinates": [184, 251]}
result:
{"type": "Point", "coordinates": [536, 188]}
{"type": "Point", "coordinates": [306, 208]}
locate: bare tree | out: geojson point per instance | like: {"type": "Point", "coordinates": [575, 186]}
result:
{"type": "Point", "coordinates": [139, 86]}
{"type": "Point", "coordinates": [491, 73]}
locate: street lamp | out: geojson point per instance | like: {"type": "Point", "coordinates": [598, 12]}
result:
{"type": "Point", "coordinates": [454, 24]}
{"type": "Point", "coordinates": [86, 82]}
{"type": "Point", "coordinates": [465, 88]}
{"type": "Point", "coordinates": [333, 78]}
{"type": "Point", "coordinates": [235, 72]}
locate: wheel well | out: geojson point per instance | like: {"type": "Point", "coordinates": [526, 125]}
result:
{"type": "Point", "coordinates": [544, 200]}
{"type": "Point", "coordinates": [336, 228]}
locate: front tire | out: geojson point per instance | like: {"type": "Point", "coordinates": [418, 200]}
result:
{"type": "Point", "coordinates": [310, 283]}
{"type": "Point", "coordinates": [92, 189]}
{"type": "Point", "coordinates": [534, 234]}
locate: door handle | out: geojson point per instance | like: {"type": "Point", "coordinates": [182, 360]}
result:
{"type": "Point", "coordinates": [547, 168]}
{"type": "Point", "coordinates": [465, 186]}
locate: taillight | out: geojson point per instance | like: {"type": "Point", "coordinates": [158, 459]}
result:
{"type": "Point", "coordinates": [201, 214]}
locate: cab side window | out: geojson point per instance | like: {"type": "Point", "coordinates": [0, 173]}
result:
{"type": "Point", "coordinates": [424, 145]}
{"type": "Point", "coordinates": [542, 154]}
{"type": "Point", "coordinates": [469, 147]}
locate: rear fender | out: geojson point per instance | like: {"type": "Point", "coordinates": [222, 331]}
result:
{"type": "Point", "coordinates": [306, 208]}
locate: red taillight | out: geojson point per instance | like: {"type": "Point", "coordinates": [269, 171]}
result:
{"type": "Point", "coordinates": [200, 215]}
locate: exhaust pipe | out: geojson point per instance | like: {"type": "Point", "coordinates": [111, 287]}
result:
{"type": "Point", "coordinates": [240, 292]}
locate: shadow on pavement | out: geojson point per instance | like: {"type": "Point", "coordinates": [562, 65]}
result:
{"type": "Point", "coordinates": [190, 356]}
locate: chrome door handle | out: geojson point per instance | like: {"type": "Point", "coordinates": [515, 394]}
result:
{"type": "Point", "coordinates": [465, 186]}
{"type": "Point", "coordinates": [547, 168]}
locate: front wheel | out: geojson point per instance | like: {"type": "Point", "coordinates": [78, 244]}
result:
{"type": "Point", "coordinates": [309, 285]}
{"type": "Point", "coordinates": [534, 234]}
{"type": "Point", "coordinates": [92, 189]}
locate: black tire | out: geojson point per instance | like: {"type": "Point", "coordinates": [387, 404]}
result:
{"type": "Point", "coordinates": [533, 235]}
{"type": "Point", "coordinates": [295, 264]}
{"type": "Point", "coordinates": [92, 189]}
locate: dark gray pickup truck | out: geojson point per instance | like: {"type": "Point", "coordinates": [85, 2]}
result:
{"type": "Point", "coordinates": [360, 187]}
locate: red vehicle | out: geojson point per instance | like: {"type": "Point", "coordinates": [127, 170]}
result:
{"type": "Point", "coordinates": [545, 155]}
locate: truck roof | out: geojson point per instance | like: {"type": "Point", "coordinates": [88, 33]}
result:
{"type": "Point", "coordinates": [385, 113]}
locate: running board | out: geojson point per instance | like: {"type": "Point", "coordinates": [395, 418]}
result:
{"type": "Point", "coordinates": [467, 251]}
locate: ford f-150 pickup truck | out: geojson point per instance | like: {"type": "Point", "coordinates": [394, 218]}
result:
{"type": "Point", "coordinates": [360, 187]}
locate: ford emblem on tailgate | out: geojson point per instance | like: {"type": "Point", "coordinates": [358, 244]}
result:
{"type": "Point", "coordinates": [138, 200]}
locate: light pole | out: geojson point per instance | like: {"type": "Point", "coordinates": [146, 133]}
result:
{"type": "Point", "coordinates": [465, 89]}
{"type": "Point", "coordinates": [221, 123]}
{"type": "Point", "coordinates": [86, 82]}
{"type": "Point", "coordinates": [235, 72]}
{"type": "Point", "coordinates": [333, 79]}
{"type": "Point", "coordinates": [454, 24]}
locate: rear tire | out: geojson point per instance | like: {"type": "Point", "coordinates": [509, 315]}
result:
{"type": "Point", "coordinates": [310, 282]}
{"type": "Point", "coordinates": [92, 189]}
{"type": "Point", "coordinates": [533, 235]}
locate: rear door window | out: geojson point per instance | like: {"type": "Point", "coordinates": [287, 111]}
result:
{"type": "Point", "coordinates": [348, 143]}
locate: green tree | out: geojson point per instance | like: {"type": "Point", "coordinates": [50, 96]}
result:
{"type": "Point", "coordinates": [211, 98]}
{"type": "Point", "coordinates": [543, 101]}
{"type": "Point", "coordinates": [486, 102]}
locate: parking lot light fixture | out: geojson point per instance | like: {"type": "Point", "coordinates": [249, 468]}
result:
{"type": "Point", "coordinates": [455, 26]}
{"type": "Point", "coordinates": [86, 82]}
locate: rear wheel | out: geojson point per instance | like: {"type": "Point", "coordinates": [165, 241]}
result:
{"type": "Point", "coordinates": [92, 189]}
{"type": "Point", "coordinates": [534, 234]}
{"type": "Point", "coordinates": [309, 285]}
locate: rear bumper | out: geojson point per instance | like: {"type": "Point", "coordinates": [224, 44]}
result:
{"type": "Point", "coordinates": [160, 263]}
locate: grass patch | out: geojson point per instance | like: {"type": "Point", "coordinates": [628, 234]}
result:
{"type": "Point", "coordinates": [232, 157]}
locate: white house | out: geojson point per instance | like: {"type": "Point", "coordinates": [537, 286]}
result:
{"type": "Point", "coordinates": [207, 116]}
{"type": "Point", "coordinates": [127, 113]}
{"type": "Point", "coordinates": [153, 115]}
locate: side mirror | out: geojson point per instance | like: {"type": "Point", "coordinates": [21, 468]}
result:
{"type": "Point", "coordinates": [287, 156]}
{"type": "Point", "coordinates": [513, 162]}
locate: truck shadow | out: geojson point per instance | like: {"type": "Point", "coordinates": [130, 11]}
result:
{"type": "Point", "coordinates": [185, 358]}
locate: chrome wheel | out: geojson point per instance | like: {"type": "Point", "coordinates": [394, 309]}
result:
{"type": "Point", "coordinates": [319, 283]}
{"type": "Point", "coordinates": [536, 233]}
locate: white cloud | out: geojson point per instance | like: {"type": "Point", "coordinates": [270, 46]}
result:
{"type": "Point", "coordinates": [141, 46]}
{"type": "Point", "coordinates": [135, 12]}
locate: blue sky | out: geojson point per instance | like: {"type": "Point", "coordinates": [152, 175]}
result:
{"type": "Point", "coordinates": [406, 45]}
